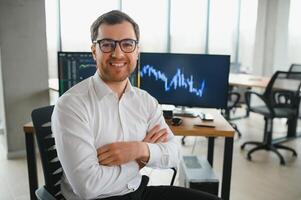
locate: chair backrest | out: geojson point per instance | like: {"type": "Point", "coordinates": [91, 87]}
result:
{"type": "Point", "coordinates": [295, 68]}
{"type": "Point", "coordinates": [52, 168]}
{"type": "Point", "coordinates": [283, 90]}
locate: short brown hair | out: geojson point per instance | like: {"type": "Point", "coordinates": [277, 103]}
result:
{"type": "Point", "coordinates": [113, 17]}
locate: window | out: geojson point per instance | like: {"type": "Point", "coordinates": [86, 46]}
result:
{"type": "Point", "coordinates": [76, 19]}
{"type": "Point", "coordinates": [222, 27]}
{"type": "Point", "coordinates": [152, 18]}
{"type": "Point", "coordinates": [184, 30]}
{"type": "Point", "coordinates": [294, 32]}
{"type": "Point", "coordinates": [188, 26]}
{"type": "Point", "coordinates": [247, 31]}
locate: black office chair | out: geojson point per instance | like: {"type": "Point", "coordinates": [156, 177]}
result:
{"type": "Point", "coordinates": [295, 68]}
{"type": "Point", "coordinates": [52, 169]}
{"type": "Point", "coordinates": [280, 100]}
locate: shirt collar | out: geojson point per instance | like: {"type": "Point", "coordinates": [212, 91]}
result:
{"type": "Point", "coordinates": [101, 88]}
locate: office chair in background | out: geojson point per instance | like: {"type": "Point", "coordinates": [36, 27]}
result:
{"type": "Point", "coordinates": [280, 100]}
{"type": "Point", "coordinates": [295, 67]}
{"type": "Point", "coordinates": [52, 169]}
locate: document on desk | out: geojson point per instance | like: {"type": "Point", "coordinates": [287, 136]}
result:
{"type": "Point", "coordinates": [205, 123]}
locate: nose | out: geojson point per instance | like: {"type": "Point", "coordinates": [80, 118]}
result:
{"type": "Point", "coordinates": [117, 51]}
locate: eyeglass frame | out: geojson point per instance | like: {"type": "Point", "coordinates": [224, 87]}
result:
{"type": "Point", "coordinates": [136, 42]}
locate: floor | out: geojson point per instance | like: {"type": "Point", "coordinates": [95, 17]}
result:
{"type": "Point", "coordinates": [261, 179]}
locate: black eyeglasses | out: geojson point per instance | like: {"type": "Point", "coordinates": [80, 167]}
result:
{"type": "Point", "coordinates": [109, 45]}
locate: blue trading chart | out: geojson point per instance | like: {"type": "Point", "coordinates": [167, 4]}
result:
{"type": "Point", "coordinates": [193, 80]}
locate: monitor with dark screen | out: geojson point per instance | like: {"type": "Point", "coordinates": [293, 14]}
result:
{"type": "Point", "coordinates": [192, 80]}
{"type": "Point", "coordinates": [74, 67]}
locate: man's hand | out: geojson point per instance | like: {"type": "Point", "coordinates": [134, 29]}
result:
{"type": "Point", "coordinates": [122, 152]}
{"type": "Point", "coordinates": [156, 135]}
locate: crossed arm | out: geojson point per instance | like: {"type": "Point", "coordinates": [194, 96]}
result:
{"type": "Point", "coordinates": [118, 153]}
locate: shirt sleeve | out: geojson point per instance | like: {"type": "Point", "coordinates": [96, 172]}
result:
{"type": "Point", "coordinates": [78, 156]}
{"type": "Point", "coordinates": [162, 155]}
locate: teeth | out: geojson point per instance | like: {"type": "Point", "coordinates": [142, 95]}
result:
{"type": "Point", "coordinates": [117, 64]}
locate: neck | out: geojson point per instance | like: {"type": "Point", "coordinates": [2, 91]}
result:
{"type": "Point", "coordinates": [118, 87]}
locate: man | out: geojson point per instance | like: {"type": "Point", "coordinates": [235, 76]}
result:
{"type": "Point", "coordinates": [106, 130]}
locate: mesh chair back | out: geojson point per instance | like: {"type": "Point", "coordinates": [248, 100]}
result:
{"type": "Point", "coordinates": [52, 168]}
{"type": "Point", "coordinates": [283, 90]}
{"type": "Point", "coordinates": [295, 68]}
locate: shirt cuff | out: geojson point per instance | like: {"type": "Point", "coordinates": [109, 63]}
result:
{"type": "Point", "coordinates": [154, 154]}
{"type": "Point", "coordinates": [130, 168]}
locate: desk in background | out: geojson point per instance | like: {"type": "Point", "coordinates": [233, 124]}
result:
{"type": "Point", "coordinates": [248, 80]}
{"type": "Point", "coordinates": [221, 129]}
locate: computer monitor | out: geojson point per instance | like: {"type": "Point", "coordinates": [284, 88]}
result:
{"type": "Point", "coordinates": [191, 80]}
{"type": "Point", "coordinates": [74, 67]}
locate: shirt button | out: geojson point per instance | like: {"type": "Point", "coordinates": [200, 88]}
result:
{"type": "Point", "coordinates": [131, 187]}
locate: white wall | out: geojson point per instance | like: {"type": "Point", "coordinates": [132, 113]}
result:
{"type": "Point", "coordinates": [2, 113]}
{"type": "Point", "coordinates": [24, 66]}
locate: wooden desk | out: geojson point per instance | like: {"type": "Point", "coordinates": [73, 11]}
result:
{"type": "Point", "coordinates": [221, 129]}
{"type": "Point", "coordinates": [248, 80]}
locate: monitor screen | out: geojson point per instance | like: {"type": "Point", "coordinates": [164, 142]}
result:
{"type": "Point", "coordinates": [74, 67]}
{"type": "Point", "coordinates": [192, 80]}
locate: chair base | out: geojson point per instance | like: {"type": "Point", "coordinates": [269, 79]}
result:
{"type": "Point", "coordinates": [268, 147]}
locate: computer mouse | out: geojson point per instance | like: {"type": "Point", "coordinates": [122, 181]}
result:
{"type": "Point", "coordinates": [176, 121]}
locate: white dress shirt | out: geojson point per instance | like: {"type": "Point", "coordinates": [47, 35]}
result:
{"type": "Point", "coordinates": [90, 115]}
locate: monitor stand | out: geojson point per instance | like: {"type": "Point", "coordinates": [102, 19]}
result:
{"type": "Point", "coordinates": [183, 112]}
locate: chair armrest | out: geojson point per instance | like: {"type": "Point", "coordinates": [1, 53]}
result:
{"type": "Point", "coordinates": [236, 97]}
{"type": "Point", "coordinates": [261, 97]}
{"type": "Point", "coordinates": [43, 194]}
{"type": "Point", "coordinates": [173, 176]}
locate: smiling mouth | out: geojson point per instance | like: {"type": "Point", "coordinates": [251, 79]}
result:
{"type": "Point", "coordinates": [118, 65]}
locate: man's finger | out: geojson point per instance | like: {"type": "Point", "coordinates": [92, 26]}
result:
{"type": "Point", "coordinates": [154, 130]}
{"type": "Point", "coordinates": [103, 149]}
{"type": "Point", "coordinates": [108, 161]}
{"type": "Point", "coordinates": [158, 133]}
{"type": "Point", "coordinates": [159, 136]}
{"type": "Point", "coordinates": [104, 156]}
{"type": "Point", "coordinates": [163, 138]}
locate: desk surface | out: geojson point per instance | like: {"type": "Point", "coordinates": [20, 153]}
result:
{"type": "Point", "coordinates": [187, 128]}
{"type": "Point", "coordinates": [248, 80]}
{"type": "Point", "coordinates": [28, 128]}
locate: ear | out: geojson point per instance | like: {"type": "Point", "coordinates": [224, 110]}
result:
{"type": "Point", "coordinates": [93, 50]}
{"type": "Point", "coordinates": [138, 51]}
